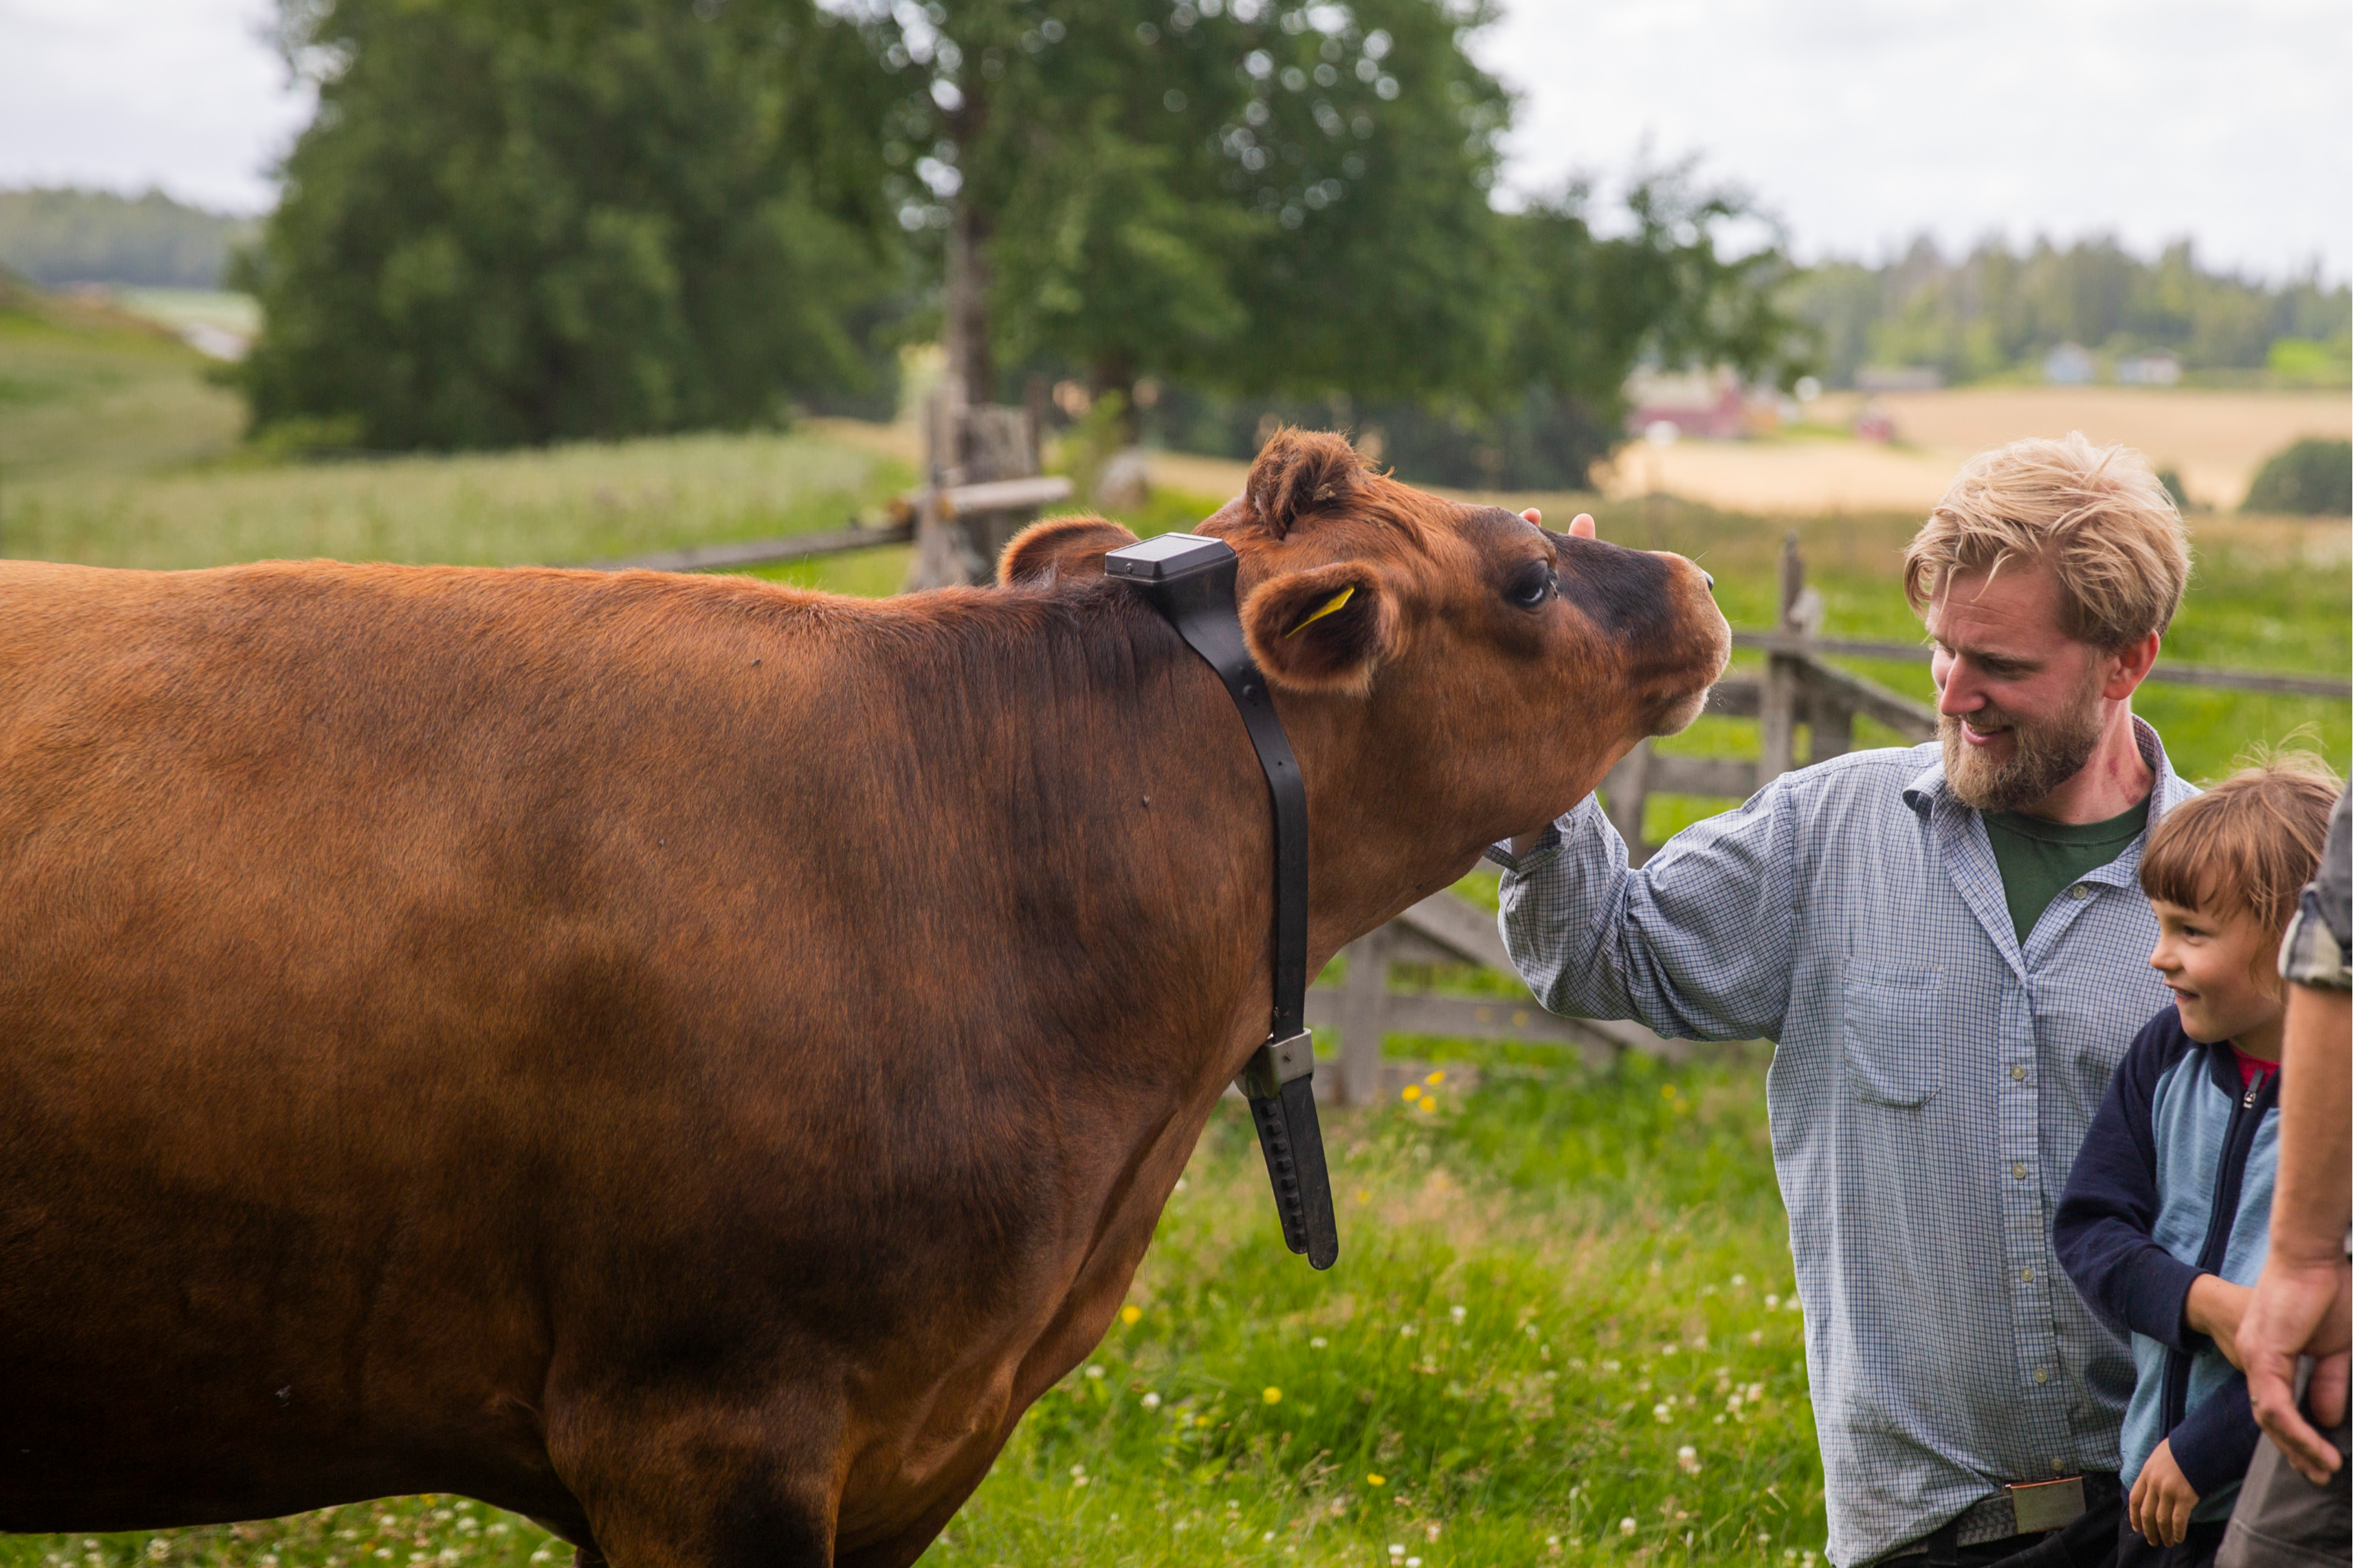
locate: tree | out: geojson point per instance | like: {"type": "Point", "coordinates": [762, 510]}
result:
{"type": "Point", "coordinates": [1237, 193]}
{"type": "Point", "coordinates": [542, 220]}
{"type": "Point", "coordinates": [2311, 477]}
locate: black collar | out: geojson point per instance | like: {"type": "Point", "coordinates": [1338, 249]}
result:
{"type": "Point", "coordinates": [1190, 580]}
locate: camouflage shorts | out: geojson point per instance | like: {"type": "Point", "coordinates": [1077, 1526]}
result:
{"type": "Point", "coordinates": [2311, 954]}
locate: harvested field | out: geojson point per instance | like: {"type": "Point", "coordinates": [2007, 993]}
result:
{"type": "Point", "coordinates": [2215, 439]}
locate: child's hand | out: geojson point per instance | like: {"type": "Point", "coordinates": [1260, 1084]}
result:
{"type": "Point", "coordinates": [2161, 1499]}
{"type": "Point", "coordinates": [2214, 1309]}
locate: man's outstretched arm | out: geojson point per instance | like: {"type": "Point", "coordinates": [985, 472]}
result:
{"type": "Point", "coordinates": [1698, 944]}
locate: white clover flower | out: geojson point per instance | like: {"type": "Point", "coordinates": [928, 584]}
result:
{"type": "Point", "coordinates": [1661, 1412]}
{"type": "Point", "coordinates": [1458, 1313]}
{"type": "Point", "coordinates": [1094, 1372]}
{"type": "Point", "coordinates": [1738, 1280]}
{"type": "Point", "coordinates": [1152, 1402]}
{"type": "Point", "coordinates": [158, 1549]}
{"type": "Point", "coordinates": [1687, 1457]}
{"type": "Point", "coordinates": [1318, 1342]}
{"type": "Point", "coordinates": [1772, 1300]}
{"type": "Point", "coordinates": [1397, 1548]}
{"type": "Point", "coordinates": [1626, 1526]}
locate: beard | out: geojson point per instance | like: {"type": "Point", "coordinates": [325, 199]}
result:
{"type": "Point", "coordinates": [2044, 753]}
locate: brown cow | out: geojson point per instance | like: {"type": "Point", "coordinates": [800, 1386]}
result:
{"type": "Point", "coordinates": [687, 1059]}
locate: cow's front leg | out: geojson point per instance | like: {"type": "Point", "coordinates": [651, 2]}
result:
{"type": "Point", "coordinates": [700, 1485]}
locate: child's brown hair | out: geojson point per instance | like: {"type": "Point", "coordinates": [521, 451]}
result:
{"type": "Point", "coordinates": [2248, 845]}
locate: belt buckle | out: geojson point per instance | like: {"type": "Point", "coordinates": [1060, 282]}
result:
{"type": "Point", "coordinates": [2047, 1505]}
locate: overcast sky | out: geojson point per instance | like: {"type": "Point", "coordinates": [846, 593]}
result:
{"type": "Point", "coordinates": [1858, 123]}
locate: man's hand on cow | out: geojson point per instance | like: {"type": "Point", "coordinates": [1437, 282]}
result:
{"type": "Point", "coordinates": [2299, 1307]}
{"type": "Point", "coordinates": [1579, 527]}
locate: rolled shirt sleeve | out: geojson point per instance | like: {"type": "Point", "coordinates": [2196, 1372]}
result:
{"type": "Point", "coordinates": [2315, 948]}
{"type": "Point", "coordinates": [1696, 944]}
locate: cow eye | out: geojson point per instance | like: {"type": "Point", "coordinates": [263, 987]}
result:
{"type": "Point", "coordinates": [1531, 585]}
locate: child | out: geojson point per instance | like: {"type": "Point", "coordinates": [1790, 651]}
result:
{"type": "Point", "coordinates": [2163, 1223]}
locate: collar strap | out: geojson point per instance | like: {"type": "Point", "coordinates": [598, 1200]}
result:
{"type": "Point", "coordinates": [1189, 579]}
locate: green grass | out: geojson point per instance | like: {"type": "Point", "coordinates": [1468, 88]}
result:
{"type": "Point", "coordinates": [1547, 1290]}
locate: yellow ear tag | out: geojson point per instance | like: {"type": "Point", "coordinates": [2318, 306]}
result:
{"type": "Point", "coordinates": [1330, 604]}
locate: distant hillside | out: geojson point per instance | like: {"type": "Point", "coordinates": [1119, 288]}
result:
{"type": "Point", "coordinates": [58, 236]}
{"type": "Point", "coordinates": [1997, 312]}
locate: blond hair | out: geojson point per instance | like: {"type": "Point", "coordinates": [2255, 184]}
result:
{"type": "Point", "coordinates": [2095, 516]}
{"type": "Point", "coordinates": [2248, 845]}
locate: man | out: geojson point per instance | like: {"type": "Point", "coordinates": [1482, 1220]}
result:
{"type": "Point", "coordinates": [1949, 945]}
{"type": "Point", "coordinates": [2295, 1508]}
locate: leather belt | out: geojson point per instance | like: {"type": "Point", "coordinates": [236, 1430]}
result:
{"type": "Point", "coordinates": [2027, 1509]}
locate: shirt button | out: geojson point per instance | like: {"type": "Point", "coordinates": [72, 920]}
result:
{"type": "Point", "coordinates": [2018, 1170]}
{"type": "Point", "coordinates": [2079, 890]}
{"type": "Point", "coordinates": [2027, 1274]}
{"type": "Point", "coordinates": [2058, 1467]}
{"type": "Point", "coordinates": [2019, 1073]}
{"type": "Point", "coordinates": [2042, 1375]}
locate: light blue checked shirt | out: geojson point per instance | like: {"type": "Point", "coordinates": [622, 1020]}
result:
{"type": "Point", "coordinates": [1931, 1084]}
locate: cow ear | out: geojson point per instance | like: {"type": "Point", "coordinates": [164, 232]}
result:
{"type": "Point", "coordinates": [1299, 472]}
{"type": "Point", "coordinates": [1324, 629]}
{"type": "Point", "coordinates": [1060, 547]}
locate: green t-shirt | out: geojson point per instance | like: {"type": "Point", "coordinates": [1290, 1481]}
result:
{"type": "Point", "coordinates": [2041, 859]}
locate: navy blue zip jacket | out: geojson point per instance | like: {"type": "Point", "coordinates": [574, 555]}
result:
{"type": "Point", "coordinates": [2174, 1180]}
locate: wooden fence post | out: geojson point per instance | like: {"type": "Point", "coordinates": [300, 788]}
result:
{"type": "Point", "coordinates": [1364, 1014]}
{"type": "Point", "coordinates": [963, 445]}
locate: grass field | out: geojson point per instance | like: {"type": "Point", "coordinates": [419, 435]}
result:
{"type": "Point", "coordinates": [1561, 1328]}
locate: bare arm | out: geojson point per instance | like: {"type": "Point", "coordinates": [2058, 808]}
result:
{"type": "Point", "coordinates": [2300, 1303]}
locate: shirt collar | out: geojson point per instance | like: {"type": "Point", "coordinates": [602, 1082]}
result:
{"type": "Point", "coordinates": [2166, 791]}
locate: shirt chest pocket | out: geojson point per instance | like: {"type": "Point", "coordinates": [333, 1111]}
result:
{"type": "Point", "coordinates": [1893, 1035]}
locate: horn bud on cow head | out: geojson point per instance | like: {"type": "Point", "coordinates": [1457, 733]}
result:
{"type": "Point", "coordinates": [1324, 629]}
{"type": "Point", "coordinates": [1300, 472]}
{"type": "Point", "coordinates": [1061, 547]}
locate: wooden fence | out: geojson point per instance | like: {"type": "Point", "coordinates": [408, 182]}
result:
{"type": "Point", "coordinates": [984, 484]}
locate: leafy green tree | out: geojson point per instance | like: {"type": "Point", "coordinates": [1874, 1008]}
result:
{"type": "Point", "coordinates": [519, 221]}
{"type": "Point", "coordinates": [2311, 477]}
{"type": "Point", "coordinates": [1251, 195]}
{"type": "Point", "coordinates": [1569, 312]}
{"type": "Point", "coordinates": [1284, 210]}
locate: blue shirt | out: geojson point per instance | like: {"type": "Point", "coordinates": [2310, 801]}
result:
{"type": "Point", "coordinates": [2175, 1181]}
{"type": "Point", "coordinates": [1932, 1083]}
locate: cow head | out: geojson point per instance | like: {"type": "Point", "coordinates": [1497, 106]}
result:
{"type": "Point", "coordinates": [1465, 668]}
